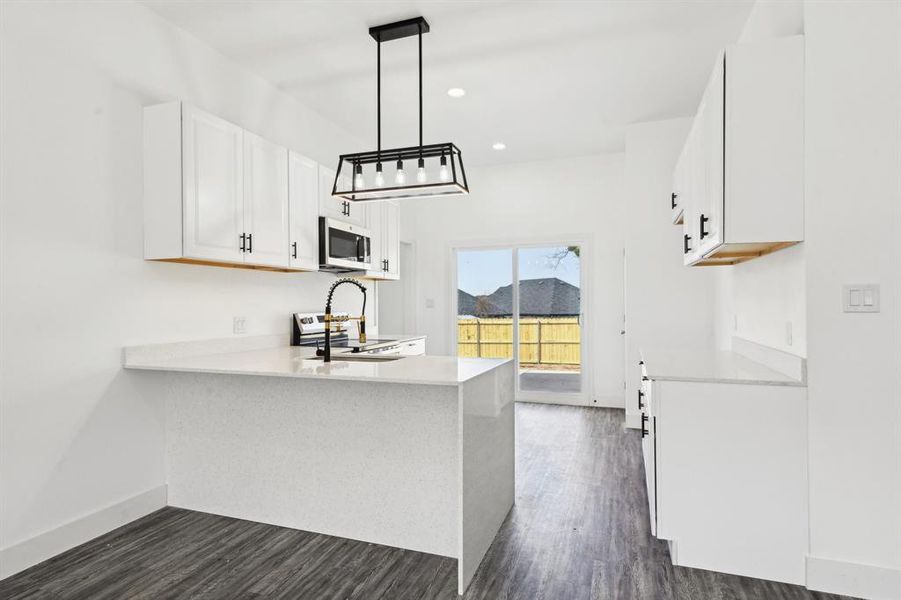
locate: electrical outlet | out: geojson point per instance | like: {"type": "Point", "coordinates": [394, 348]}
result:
{"type": "Point", "coordinates": [788, 333]}
{"type": "Point", "coordinates": [239, 325]}
{"type": "Point", "coordinates": [430, 303]}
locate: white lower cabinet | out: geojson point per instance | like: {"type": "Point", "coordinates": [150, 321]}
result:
{"type": "Point", "coordinates": [726, 474]}
{"type": "Point", "coordinates": [413, 347]}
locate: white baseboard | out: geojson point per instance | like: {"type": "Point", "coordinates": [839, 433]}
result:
{"type": "Point", "coordinates": [853, 579]}
{"type": "Point", "coordinates": [26, 554]}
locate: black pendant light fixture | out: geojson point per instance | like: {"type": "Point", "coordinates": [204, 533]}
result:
{"type": "Point", "coordinates": [412, 172]}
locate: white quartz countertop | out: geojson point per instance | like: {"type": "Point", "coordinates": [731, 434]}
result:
{"type": "Point", "coordinates": [709, 366]}
{"type": "Point", "coordinates": [298, 362]}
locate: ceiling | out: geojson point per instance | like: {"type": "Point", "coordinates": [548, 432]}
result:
{"type": "Point", "coordinates": [550, 79]}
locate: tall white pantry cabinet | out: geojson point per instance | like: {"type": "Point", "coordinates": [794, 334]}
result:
{"type": "Point", "coordinates": [738, 186]}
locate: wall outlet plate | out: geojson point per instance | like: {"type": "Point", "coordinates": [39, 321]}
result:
{"type": "Point", "coordinates": [239, 325]}
{"type": "Point", "coordinates": [862, 297]}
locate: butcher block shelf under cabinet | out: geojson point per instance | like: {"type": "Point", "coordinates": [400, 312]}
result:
{"type": "Point", "coordinates": [738, 185]}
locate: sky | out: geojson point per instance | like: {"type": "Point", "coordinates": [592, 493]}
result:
{"type": "Point", "coordinates": [480, 272]}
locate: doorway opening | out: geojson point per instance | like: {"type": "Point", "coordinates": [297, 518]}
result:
{"type": "Point", "coordinates": [524, 302]}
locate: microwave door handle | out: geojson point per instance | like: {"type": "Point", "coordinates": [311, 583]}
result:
{"type": "Point", "coordinates": [360, 248]}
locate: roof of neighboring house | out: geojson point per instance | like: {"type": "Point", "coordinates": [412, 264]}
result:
{"type": "Point", "coordinates": [549, 296]}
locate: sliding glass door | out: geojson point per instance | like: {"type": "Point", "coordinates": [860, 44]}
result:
{"type": "Point", "coordinates": [524, 302]}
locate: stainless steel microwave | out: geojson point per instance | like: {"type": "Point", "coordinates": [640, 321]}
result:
{"type": "Point", "coordinates": [343, 247]}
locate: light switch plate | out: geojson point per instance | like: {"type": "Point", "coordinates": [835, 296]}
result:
{"type": "Point", "coordinates": [862, 297]}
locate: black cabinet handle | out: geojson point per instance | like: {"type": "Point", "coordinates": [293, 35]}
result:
{"type": "Point", "coordinates": [250, 243]}
{"type": "Point", "coordinates": [644, 420]}
{"type": "Point", "coordinates": [673, 197]}
{"type": "Point", "coordinates": [348, 208]}
{"type": "Point", "coordinates": [243, 239]}
{"type": "Point", "coordinates": [640, 403]}
{"type": "Point", "coordinates": [387, 265]}
{"type": "Point", "coordinates": [294, 250]}
{"type": "Point", "coordinates": [685, 239]}
{"type": "Point", "coordinates": [704, 220]}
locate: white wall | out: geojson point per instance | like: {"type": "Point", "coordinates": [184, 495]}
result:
{"type": "Point", "coordinates": [853, 235]}
{"type": "Point", "coordinates": [764, 300]}
{"type": "Point", "coordinates": [549, 201]}
{"type": "Point", "coordinates": [667, 304]}
{"type": "Point", "coordinates": [78, 433]}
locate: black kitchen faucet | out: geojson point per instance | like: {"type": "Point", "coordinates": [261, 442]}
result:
{"type": "Point", "coordinates": [327, 350]}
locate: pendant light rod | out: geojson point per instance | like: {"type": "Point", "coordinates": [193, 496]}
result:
{"type": "Point", "coordinates": [378, 102]}
{"type": "Point", "coordinates": [420, 94]}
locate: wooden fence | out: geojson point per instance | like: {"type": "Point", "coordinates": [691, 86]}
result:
{"type": "Point", "coordinates": [542, 340]}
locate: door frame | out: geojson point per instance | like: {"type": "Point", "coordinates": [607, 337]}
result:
{"type": "Point", "coordinates": [582, 398]}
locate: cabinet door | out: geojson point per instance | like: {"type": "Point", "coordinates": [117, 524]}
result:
{"type": "Point", "coordinates": [329, 206]}
{"type": "Point", "coordinates": [375, 223]}
{"type": "Point", "coordinates": [303, 212]}
{"type": "Point", "coordinates": [213, 187]}
{"type": "Point", "coordinates": [336, 208]}
{"type": "Point", "coordinates": [712, 135]}
{"type": "Point", "coordinates": [692, 200]}
{"type": "Point", "coordinates": [265, 202]}
{"type": "Point", "coordinates": [391, 239]}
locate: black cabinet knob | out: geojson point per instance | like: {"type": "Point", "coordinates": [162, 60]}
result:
{"type": "Point", "coordinates": [243, 239]}
{"type": "Point", "coordinates": [685, 239]}
{"type": "Point", "coordinates": [250, 243]}
{"type": "Point", "coordinates": [673, 197]}
{"type": "Point", "coordinates": [294, 250]}
{"type": "Point", "coordinates": [703, 232]}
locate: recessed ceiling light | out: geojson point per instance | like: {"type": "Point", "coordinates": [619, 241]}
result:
{"type": "Point", "coordinates": [456, 92]}
{"type": "Point", "coordinates": [499, 145]}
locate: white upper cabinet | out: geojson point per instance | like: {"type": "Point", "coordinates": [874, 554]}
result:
{"type": "Point", "coordinates": [213, 185]}
{"type": "Point", "coordinates": [383, 223]}
{"type": "Point", "coordinates": [740, 179]}
{"type": "Point", "coordinates": [391, 239]}
{"type": "Point", "coordinates": [303, 212]}
{"type": "Point", "coordinates": [336, 208]}
{"type": "Point", "coordinates": [217, 194]}
{"type": "Point", "coordinates": [265, 202]}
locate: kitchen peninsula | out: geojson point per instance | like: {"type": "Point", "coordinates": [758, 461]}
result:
{"type": "Point", "coordinates": [414, 452]}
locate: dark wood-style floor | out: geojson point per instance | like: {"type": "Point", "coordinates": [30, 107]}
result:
{"type": "Point", "coordinates": [579, 530]}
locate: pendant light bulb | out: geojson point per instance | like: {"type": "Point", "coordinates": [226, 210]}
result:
{"type": "Point", "coordinates": [379, 178]}
{"type": "Point", "coordinates": [359, 184]}
{"type": "Point", "coordinates": [400, 178]}
{"type": "Point", "coordinates": [444, 173]}
{"type": "Point", "coordinates": [421, 176]}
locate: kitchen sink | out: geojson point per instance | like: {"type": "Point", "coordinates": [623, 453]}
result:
{"type": "Point", "coordinates": [361, 357]}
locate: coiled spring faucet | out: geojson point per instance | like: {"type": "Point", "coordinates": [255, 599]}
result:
{"type": "Point", "coordinates": [327, 351]}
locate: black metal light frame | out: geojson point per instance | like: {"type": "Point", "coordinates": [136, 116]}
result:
{"type": "Point", "coordinates": [451, 159]}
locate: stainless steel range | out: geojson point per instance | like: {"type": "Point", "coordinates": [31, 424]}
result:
{"type": "Point", "coordinates": [308, 329]}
